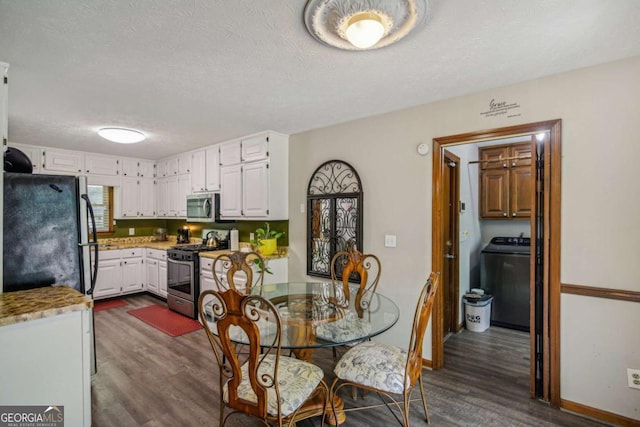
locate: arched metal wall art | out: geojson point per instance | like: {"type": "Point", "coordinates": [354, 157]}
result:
{"type": "Point", "coordinates": [334, 215]}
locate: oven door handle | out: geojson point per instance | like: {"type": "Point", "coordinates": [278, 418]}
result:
{"type": "Point", "coordinates": [175, 261]}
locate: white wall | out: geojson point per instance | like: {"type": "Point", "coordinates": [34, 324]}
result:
{"type": "Point", "coordinates": [599, 108]}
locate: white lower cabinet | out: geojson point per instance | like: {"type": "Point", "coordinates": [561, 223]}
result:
{"type": "Point", "coordinates": [119, 272]}
{"type": "Point", "coordinates": [132, 272]}
{"type": "Point", "coordinates": [109, 279]}
{"type": "Point", "coordinates": [156, 272]}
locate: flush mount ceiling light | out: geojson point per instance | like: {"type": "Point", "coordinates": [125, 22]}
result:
{"type": "Point", "coordinates": [122, 135]}
{"type": "Point", "coordinates": [363, 24]}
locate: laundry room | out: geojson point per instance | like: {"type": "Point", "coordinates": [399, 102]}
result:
{"type": "Point", "coordinates": [494, 226]}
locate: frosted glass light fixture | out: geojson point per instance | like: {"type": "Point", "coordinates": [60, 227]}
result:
{"type": "Point", "coordinates": [363, 24]}
{"type": "Point", "coordinates": [364, 30]}
{"type": "Point", "coordinates": [122, 135]}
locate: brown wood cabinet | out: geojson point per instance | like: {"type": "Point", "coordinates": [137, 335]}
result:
{"type": "Point", "coordinates": [505, 182]}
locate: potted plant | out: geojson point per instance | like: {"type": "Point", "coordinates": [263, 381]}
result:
{"type": "Point", "coordinates": [266, 239]}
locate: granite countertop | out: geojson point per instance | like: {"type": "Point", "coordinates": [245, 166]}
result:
{"type": "Point", "coordinates": [146, 242]}
{"type": "Point", "coordinates": [22, 306]}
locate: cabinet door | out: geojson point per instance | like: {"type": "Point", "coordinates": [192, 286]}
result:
{"type": "Point", "coordinates": [162, 278]}
{"type": "Point", "coordinates": [230, 153]}
{"type": "Point", "coordinates": [129, 197]}
{"type": "Point", "coordinates": [32, 152]}
{"type": "Point", "coordinates": [184, 163]}
{"type": "Point", "coordinates": [523, 151]}
{"type": "Point", "coordinates": [63, 161]}
{"type": "Point", "coordinates": [493, 156]}
{"type": "Point", "coordinates": [255, 190]}
{"type": "Point", "coordinates": [231, 191]}
{"type": "Point", "coordinates": [161, 197]}
{"type": "Point", "coordinates": [132, 275]}
{"type": "Point", "coordinates": [109, 280]}
{"type": "Point", "coordinates": [255, 148]}
{"type": "Point", "coordinates": [146, 169]}
{"type": "Point", "coordinates": [172, 166]}
{"type": "Point", "coordinates": [146, 197]}
{"type": "Point", "coordinates": [198, 174]}
{"type": "Point", "coordinates": [184, 189]}
{"type": "Point", "coordinates": [494, 193]}
{"type": "Point", "coordinates": [151, 273]}
{"type": "Point", "coordinates": [172, 196]}
{"type": "Point", "coordinates": [101, 165]}
{"type": "Point", "coordinates": [212, 179]}
{"type": "Point", "coordinates": [129, 167]}
{"type": "Point", "coordinates": [521, 194]}
{"type": "Point", "coordinates": [161, 169]}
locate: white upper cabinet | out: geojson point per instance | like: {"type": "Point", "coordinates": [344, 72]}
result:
{"type": "Point", "coordinates": [213, 168]}
{"type": "Point", "coordinates": [230, 153]}
{"type": "Point", "coordinates": [199, 172]}
{"type": "Point", "coordinates": [32, 152]}
{"type": "Point", "coordinates": [257, 188]}
{"type": "Point", "coordinates": [146, 168]}
{"type": "Point", "coordinates": [172, 166]}
{"type": "Point", "coordinates": [255, 148]}
{"type": "Point", "coordinates": [62, 161]}
{"type": "Point", "coordinates": [184, 163]}
{"type": "Point", "coordinates": [97, 164]}
{"type": "Point", "coordinates": [161, 169]}
{"type": "Point", "coordinates": [129, 167]}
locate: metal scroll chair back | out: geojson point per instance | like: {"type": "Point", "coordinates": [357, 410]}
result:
{"type": "Point", "coordinates": [238, 270]}
{"type": "Point", "coordinates": [353, 264]}
{"type": "Point", "coordinates": [387, 369]}
{"type": "Point", "coordinates": [263, 384]}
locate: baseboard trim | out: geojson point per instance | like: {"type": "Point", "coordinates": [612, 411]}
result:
{"type": "Point", "coordinates": [426, 363]}
{"type": "Point", "coordinates": [598, 414]}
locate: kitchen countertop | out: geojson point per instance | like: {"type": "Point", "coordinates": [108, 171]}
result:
{"type": "Point", "coordinates": [22, 306]}
{"type": "Point", "coordinates": [142, 242]}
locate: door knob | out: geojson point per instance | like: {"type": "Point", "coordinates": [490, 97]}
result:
{"type": "Point", "coordinates": [449, 256]}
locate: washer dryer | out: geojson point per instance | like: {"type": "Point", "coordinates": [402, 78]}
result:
{"type": "Point", "coordinates": [504, 273]}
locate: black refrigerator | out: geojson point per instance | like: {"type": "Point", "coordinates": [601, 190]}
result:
{"type": "Point", "coordinates": [49, 233]}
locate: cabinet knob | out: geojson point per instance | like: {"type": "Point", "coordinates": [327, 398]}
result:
{"type": "Point", "coordinates": [504, 214]}
{"type": "Point", "coordinates": [504, 165]}
{"type": "Point", "coordinates": [513, 164]}
{"type": "Point", "coordinates": [513, 214]}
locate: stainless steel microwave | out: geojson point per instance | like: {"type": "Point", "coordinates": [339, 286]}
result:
{"type": "Point", "coordinates": [203, 207]}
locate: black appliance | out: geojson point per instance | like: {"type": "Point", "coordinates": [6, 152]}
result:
{"type": "Point", "coordinates": [183, 274]}
{"type": "Point", "coordinates": [504, 273]}
{"type": "Point", "coordinates": [46, 234]}
{"type": "Point", "coordinates": [183, 235]}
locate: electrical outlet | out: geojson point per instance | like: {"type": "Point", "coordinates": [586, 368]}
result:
{"type": "Point", "coordinates": [251, 236]}
{"type": "Point", "coordinates": [390, 240]}
{"type": "Point", "coordinates": [633, 376]}
{"type": "Point", "coordinates": [132, 231]}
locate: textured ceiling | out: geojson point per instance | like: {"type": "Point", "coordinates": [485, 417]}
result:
{"type": "Point", "coordinates": [192, 73]}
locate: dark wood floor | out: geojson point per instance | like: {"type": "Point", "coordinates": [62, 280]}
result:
{"type": "Point", "coordinates": [147, 378]}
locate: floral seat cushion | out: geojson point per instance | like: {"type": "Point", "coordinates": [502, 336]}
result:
{"type": "Point", "coordinates": [297, 379]}
{"type": "Point", "coordinates": [349, 328]}
{"type": "Point", "coordinates": [380, 366]}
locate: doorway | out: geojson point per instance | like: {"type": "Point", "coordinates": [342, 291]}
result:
{"type": "Point", "coordinates": [545, 238]}
{"type": "Point", "coordinates": [450, 272]}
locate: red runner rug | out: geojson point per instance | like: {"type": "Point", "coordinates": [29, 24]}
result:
{"type": "Point", "coordinates": [106, 305]}
{"type": "Point", "coordinates": [169, 322]}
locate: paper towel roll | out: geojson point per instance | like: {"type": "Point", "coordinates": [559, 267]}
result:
{"type": "Point", "coordinates": [234, 240]}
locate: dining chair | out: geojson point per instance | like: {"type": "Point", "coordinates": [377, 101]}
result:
{"type": "Point", "coordinates": [266, 385]}
{"type": "Point", "coordinates": [238, 270]}
{"type": "Point", "coordinates": [354, 265]}
{"type": "Point", "coordinates": [389, 370]}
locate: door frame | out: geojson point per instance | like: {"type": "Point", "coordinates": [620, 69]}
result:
{"type": "Point", "coordinates": [551, 238]}
{"type": "Point", "coordinates": [454, 226]}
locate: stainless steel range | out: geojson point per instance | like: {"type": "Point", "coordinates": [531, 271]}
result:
{"type": "Point", "coordinates": [183, 272]}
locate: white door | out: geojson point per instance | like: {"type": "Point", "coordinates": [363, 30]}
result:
{"type": "Point", "coordinates": [132, 274]}
{"type": "Point", "coordinates": [129, 197]}
{"type": "Point", "coordinates": [109, 280]}
{"type": "Point", "coordinates": [198, 174]}
{"type": "Point", "coordinates": [213, 169]}
{"type": "Point", "coordinates": [146, 197]}
{"type": "Point", "coordinates": [172, 196]}
{"type": "Point", "coordinates": [162, 278]}
{"type": "Point", "coordinates": [151, 270]}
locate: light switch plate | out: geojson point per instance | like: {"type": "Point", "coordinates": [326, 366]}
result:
{"type": "Point", "coordinates": [132, 231]}
{"type": "Point", "coordinates": [390, 240]}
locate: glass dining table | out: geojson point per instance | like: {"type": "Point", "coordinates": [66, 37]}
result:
{"type": "Point", "coordinates": [321, 314]}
